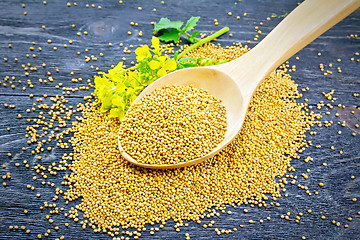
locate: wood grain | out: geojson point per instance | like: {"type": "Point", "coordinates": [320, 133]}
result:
{"type": "Point", "coordinates": [111, 24]}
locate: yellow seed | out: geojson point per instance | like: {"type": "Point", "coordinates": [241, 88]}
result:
{"type": "Point", "coordinates": [103, 158]}
{"type": "Point", "coordinates": [208, 111]}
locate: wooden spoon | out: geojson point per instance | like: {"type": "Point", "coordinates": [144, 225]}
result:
{"type": "Point", "coordinates": [236, 81]}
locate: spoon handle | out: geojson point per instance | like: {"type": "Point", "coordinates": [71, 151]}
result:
{"type": "Point", "coordinates": [304, 24]}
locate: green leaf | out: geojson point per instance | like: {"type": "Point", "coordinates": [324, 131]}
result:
{"type": "Point", "coordinates": [193, 38]}
{"type": "Point", "coordinates": [176, 31]}
{"type": "Point", "coordinates": [187, 62]}
{"type": "Point", "coordinates": [190, 24]}
{"type": "Point", "coordinates": [165, 23]}
{"type": "Point", "coordinates": [187, 65]}
{"type": "Point", "coordinates": [176, 55]}
{"type": "Point", "coordinates": [221, 62]}
{"type": "Point", "coordinates": [173, 36]}
{"type": "Point", "coordinates": [206, 62]}
{"type": "Point", "coordinates": [187, 59]}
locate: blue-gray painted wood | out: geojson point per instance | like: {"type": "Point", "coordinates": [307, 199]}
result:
{"type": "Point", "coordinates": [111, 24]}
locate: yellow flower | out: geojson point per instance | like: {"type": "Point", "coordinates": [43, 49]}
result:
{"type": "Point", "coordinates": [170, 65]}
{"type": "Point", "coordinates": [167, 66]}
{"type": "Point", "coordinates": [161, 64]}
{"type": "Point", "coordinates": [161, 72]}
{"type": "Point", "coordinates": [142, 52]}
{"type": "Point", "coordinates": [153, 64]}
{"type": "Point", "coordinates": [156, 45]}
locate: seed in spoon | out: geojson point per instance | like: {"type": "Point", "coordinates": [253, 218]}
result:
{"type": "Point", "coordinates": [173, 124]}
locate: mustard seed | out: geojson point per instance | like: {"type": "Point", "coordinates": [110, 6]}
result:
{"type": "Point", "coordinates": [173, 124]}
{"type": "Point", "coordinates": [173, 192]}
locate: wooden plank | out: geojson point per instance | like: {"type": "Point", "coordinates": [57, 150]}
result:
{"type": "Point", "coordinates": [111, 24]}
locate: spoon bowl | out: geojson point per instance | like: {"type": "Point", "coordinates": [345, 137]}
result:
{"type": "Point", "coordinates": [218, 84]}
{"type": "Point", "coordinates": [235, 82]}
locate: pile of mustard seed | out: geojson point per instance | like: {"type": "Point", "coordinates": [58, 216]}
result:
{"type": "Point", "coordinates": [173, 124]}
{"type": "Point", "coordinates": [117, 195]}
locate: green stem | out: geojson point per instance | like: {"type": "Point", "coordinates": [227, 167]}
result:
{"type": "Point", "coordinates": [188, 35]}
{"type": "Point", "coordinates": [203, 41]}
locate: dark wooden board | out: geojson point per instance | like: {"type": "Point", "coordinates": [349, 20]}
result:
{"type": "Point", "coordinates": [111, 24]}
